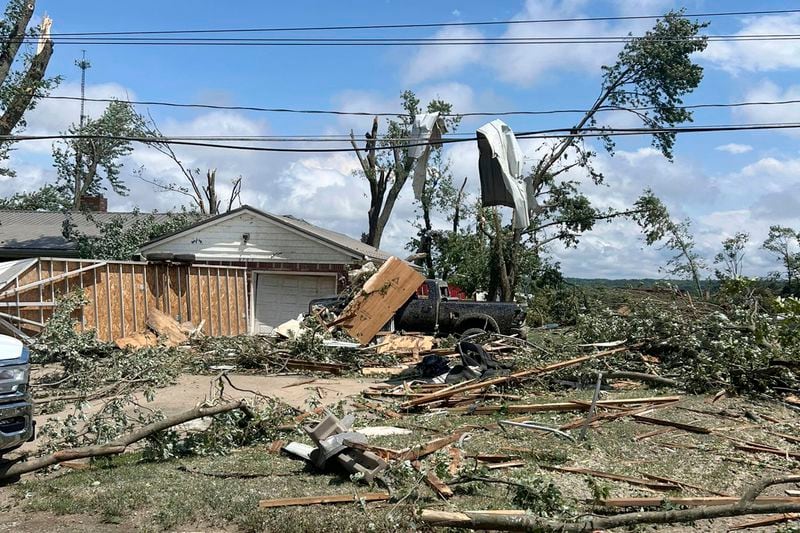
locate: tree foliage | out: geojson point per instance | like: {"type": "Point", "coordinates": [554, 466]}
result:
{"type": "Point", "coordinates": [731, 257]}
{"type": "Point", "coordinates": [91, 163]}
{"type": "Point", "coordinates": [121, 237]}
{"type": "Point", "coordinates": [47, 198]}
{"type": "Point", "coordinates": [651, 76]}
{"type": "Point", "coordinates": [783, 243]}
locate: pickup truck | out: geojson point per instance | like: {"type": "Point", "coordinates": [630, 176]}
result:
{"type": "Point", "coordinates": [16, 409]}
{"type": "Point", "coordinates": [432, 310]}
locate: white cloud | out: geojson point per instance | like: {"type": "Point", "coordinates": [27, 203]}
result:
{"type": "Point", "coordinates": [767, 91]}
{"type": "Point", "coordinates": [439, 61]}
{"type": "Point", "coordinates": [758, 55]}
{"type": "Point", "coordinates": [734, 148]}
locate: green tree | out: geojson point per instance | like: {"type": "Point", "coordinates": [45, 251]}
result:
{"type": "Point", "coordinates": [651, 76]}
{"type": "Point", "coordinates": [782, 242]}
{"type": "Point", "coordinates": [731, 256]}
{"type": "Point", "coordinates": [21, 89]}
{"type": "Point", "coordinates": [90, 161]}
{"type": "Point", "coordinates": [387, 170]}
{"type": "Point", "coordinates": [120, 238]}
{"type": "Point", "coordinates": [47, 198]}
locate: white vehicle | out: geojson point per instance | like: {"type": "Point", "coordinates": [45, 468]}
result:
{"type": "Point", "coordinates": [16, 409]}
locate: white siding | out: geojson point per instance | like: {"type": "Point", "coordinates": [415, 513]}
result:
{"type": "Point", "coordinates": [269, 241]}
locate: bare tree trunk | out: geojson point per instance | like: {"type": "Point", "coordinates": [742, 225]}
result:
{"type": "Point", "coordinates": [26, 90]}
{"type": "Point", "coordinates": [10, 47]}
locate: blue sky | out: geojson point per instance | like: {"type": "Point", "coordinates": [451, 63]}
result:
{"type": "Point", "coordinates": [725, 182]}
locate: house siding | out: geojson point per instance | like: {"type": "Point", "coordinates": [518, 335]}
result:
{"type": "Point", "coordinates": [269, 242]}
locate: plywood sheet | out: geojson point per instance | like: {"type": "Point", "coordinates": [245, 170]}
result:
{"type": "Point", "coordinates": [383, 294]}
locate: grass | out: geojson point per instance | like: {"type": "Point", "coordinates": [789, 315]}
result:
{"type": "Point", "coordinates": [175, 494]}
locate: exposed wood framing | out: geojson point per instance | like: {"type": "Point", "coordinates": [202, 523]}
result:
{"type": "Point", "coordinates": [120, 295]}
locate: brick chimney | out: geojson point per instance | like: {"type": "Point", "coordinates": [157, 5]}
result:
{"type": "Point", "coordinates": [95, 204]}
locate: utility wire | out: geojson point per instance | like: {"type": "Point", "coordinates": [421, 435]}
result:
{"type": "Point", "coordinates": [540, 134]}
{"type": "Point", "coordinates": [423, 25]}
{"type": "Point", "coordinates": [399, 114]}
{"type": "Point", "coordinates": [527, 41]}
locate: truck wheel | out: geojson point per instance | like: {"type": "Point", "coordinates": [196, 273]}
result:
{"type": "Point", "coordinates": [473, 333]}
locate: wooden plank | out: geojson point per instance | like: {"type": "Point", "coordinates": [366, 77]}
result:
{"type": "Point", "coordinates": [121, 295]}
{"type": "Point", "coordinates": [524, 374]}
{"type": "Point", "coordinates": [561, 406]}
{"type": "Point", "coordinates": [659, 422]}
{"type": "Point", "coordinates": [683, 484]}
{"type": "Point", "coordinates": [764, 522]}
{"type": "Point", "coordinates": [767, 449]}
{"type": "Point", "coordinates": [653, 485]}
{"type": "Point", "coordinates": [421, 450]}
{"type": "Point", "coordinates": [137, 340]}
{"type": "Point", "coordinates": [210, 307]}
{"type": "Point", "coordinates": [236, 300]}
{"type": "Point", "coordinates": [228, 301]}
{"type": "Point", "coordinates": [218, 299]}
{"type": "Point", "coordinates": [317, 500]}
{"type": "Point", "coordinates": [383, 293]}
{"type": "Point", "coordinates": [433, 481]}
{"type": "Point", "coordinates": [114, 304]}
{"type": "Point", "coordinates": [50, 279]}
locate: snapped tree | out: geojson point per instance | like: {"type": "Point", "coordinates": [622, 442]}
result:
{"type": "Point", "coordinates": [385, 163]}
{"type": "Point", "coordinates": [200, 189]}
{"type": "Point", "coordinates": [21, 89]}
{"type": "Point", "coordinates": [651, 76]}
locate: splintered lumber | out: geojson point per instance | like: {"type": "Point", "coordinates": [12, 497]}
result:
{"type": "Point", "coordinates": [654, 485]}
{"type": "Point", "coordinates": [166, 326]}
{"type": "Point", "coordinates": [653, 433]}
{"type": "Point", "coordinates": [517, 376]}
{"type": "Point", "coordinates": [316, 500]}
{"type": "Point", "coordinates": [421, 450]}
{"type": "Point", "coordinates": [562, 406]}
{"type": "Point", "coordinates": [137, 340]}
{"type": "Point", "coordinates": [784, 436]}
{"type": "Point", "coordinates": [679, 425]}
{"type": "Point", "coordinates": [507, 464]}
{"type": "Point", "coordinates": [683, 484]}
{"type": "Point", "coordinates": [404, 344]}
{"type": "Point", "coordinates": [313, 366]}
{"type": "Point", "coordinates": [758, 448]}
{"type": "Point", "coordinates": [383, 294]}
{"type": "Point", "coordinates": [768, 521]}
{"type": "Point", "coordinates": [607, 417]}
{"type": "Point", "coordinates": [432, 480]}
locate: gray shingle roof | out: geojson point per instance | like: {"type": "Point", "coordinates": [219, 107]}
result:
{"type": "Point", "coordinates": [39, 232]}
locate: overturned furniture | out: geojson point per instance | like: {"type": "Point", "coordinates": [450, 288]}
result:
{"type": "Point", "coordinates": [119, 295]}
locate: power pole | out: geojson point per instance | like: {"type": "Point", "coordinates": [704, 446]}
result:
{"type": "Point", "coordinates": [84, 65]}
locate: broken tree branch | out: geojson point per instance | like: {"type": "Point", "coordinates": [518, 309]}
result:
{"type": "Point", "coordinates": [515, 522]}
{"type": "Point", "coordinates": [119, 445]}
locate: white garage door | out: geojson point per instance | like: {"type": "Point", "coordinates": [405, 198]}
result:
{"type": "Point", "coordinates": [281, 297]}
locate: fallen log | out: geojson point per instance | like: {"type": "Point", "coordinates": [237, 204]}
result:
{"type": "Point", "coordinates": [513, 521]}
{"type": "Point", "coordinates": [679, 425]}
{"type": "Point", "coordinates": [517, 376]}
{"type": "Point", "coordinates": [119, 445]}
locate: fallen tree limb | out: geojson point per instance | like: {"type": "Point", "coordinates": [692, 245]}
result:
{"type": "Point", "coordinates": [641, 376]}
{"type": "Point", "coordinates": [119, 445]}
{"type": "Point", "coordinates": [517, 376]}
{"type": "Point", "coordinates": [512, 521]}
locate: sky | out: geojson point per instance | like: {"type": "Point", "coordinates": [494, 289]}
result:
{"type": "Point", "coordinates": [724, 182]}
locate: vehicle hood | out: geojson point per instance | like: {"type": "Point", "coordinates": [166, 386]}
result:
{"type": "Point", "coordinates": [10, 348]}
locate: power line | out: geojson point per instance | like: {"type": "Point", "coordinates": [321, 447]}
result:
{"type": "Point", "coordinates": [421, 25]}
{"type": "Point", "coordinates": [214, 141]}
{"type": "Point", "coordinates": [356, 42]}
{"type": "Point", "coordinates": [397, 114]}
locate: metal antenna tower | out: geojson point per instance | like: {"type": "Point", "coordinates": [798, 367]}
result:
{"type": "Point", "coordinates": [83, 64]}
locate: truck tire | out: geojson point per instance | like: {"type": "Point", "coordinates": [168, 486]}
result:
{"type": "Point", "coordinates": [473, 333]}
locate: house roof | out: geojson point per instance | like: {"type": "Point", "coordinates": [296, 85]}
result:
{"type": "Point", "coordinates": [339, 240]}
{"type": "Point", "coordinates": [35, 233]}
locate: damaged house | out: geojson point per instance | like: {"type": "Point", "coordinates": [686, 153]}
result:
{"type": "Point", "coordinates": [244, 271]}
